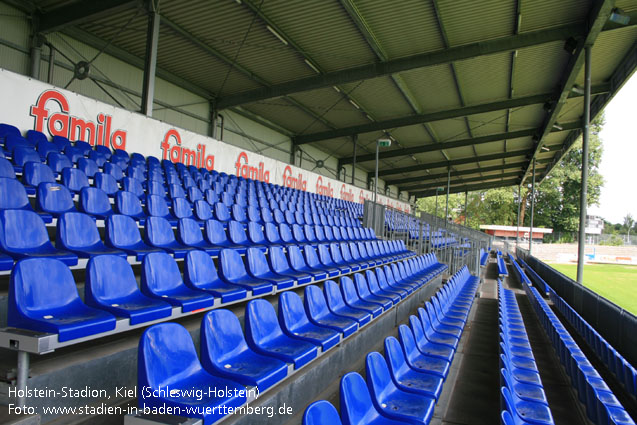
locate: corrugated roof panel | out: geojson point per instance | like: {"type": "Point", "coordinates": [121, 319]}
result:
{"type": "Point", "coordinates": [330, 105]}
{"type": "Point", "coordinates": [433, 86]}
{"type": "Point", "coordinates": [402, 28]}
{"type": "Point", "coordinates": [323, 30]}
{"type": "Point", "coordinates": [608, 51]}
{"type": "Point", "coordinates": [541, 14]}
{"type": "Point", "coordinates": [469, 21]}
{"type": "Point", "coordinates": [530, 116]}
{"type": "Point", "coordinates": [296, 120]}
{"type": "Point", "coordinates": [414, 135]}
{"type": "Point", "coordinates": [488, 123]}
{"type": "Point", "coordinates": [519, 143]}
{"type": "Point", "coordinates": [572, 110]}
{"type": "Point", "coordinates": [126, 29]}
{"type": "Point", "coordinates": [539, 68]}
{"type": "Point", "coordinates": [484, 78]}
{"type": "Point", "coordinates": [453, 129]}
{"type": "Point", "coordinates": [429, 157]}
{"type": "Point", "coordinates": [369, 92]}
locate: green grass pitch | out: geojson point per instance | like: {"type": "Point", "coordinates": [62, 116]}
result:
{"type": "Point", "coordinates": [615, 282]}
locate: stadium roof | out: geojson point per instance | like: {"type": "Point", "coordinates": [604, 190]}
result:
{"type": "Point", "coordinates": [481, 87]}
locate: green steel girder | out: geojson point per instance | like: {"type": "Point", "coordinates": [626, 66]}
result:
{"type": "Point", "coordinates": [597, 19]}
{"type": "Point", "coordinates": [470, 160]}
{"type": "Point", "coordinates": [468, 188]}
{"type": "Point", "coordinates": [435, 116]}
{"type": "Point", "coordinates": [364, 72]}
{"type": "Point", "coordinates": [457, 143]}
{"type": "Point", "coordinates": [420, 179]}
{"type": "Point", "coordinates": [468, 180]}
{"type": "Point", "coordinates": [82, 11]}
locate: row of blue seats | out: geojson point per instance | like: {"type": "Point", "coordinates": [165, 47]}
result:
{"type": "Point", "coordinates": [502, 268]}
{"type": "Point", "coordinates": [404, 385]}
{"type": "Point", "coordinates": [533, 277]}
{"type": "Point", "coordinates": [523, 398]}
{"type": "Point", "coordinates": [260, 357]}
{"type": "Point", "coordinates": [522, 277]}
{"type": "Point", "coordinates": [602, 407]}
{"type": "Point", "coordinates": [614, 361]}
{"type": "Point", "coordinates": [484, 257]}
{"type": "Point", "coordinates": [111, 289]}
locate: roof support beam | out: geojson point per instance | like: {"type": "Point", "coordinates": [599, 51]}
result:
{"type": "Point", "coordinates": [80, 12]}
{"type": "Point", "coordinates": [435, 116]}
{"type": "Point", "coordinates": [597, 19]}
{"type": "Point", "coordinates": [403, 184]}
{"type": "Point", "coordinates": [470, 160]}
{"type": "Point", "coordinates": [457, 143]}
{"type": "Point", "coordinates": [468, 188]}
{"type": "Point", "coordinates": [502, 44]}
{"type": "Point", "coordinates": [469, 180]}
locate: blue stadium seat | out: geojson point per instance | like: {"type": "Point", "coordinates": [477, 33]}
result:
{"type": "Point", "coordinates": [159, 234]}
{"type": "Point", "coordinates": [258, 267]}
{"type": "Point", "coordinates": [98, 157]}
{"type": "Point", "coordinates": [181, 208]}
{"type": "Point", "coordinates": [161, 279]}
{"type": "Point", "coordinates": [103, 150]}
{"type": "Point", "coordinates": [432, 333]}
{"type": "Point", "coordinates": [328, 262]}
{"type": "Point", "coordinates": [130, 184]}
{"type": "Point", "coordinates": [73, 153]}
{"type": "Point", "coordinates": [356, 403]}
{"type": "Point", "coordinates": [295, 323]}
{"type": "Point", "coordinates": [167, 359]}
{"type": "Point", "coordinates": [351, 298]}
{"type": "Point", "coordinates": [18, 244]}
{"type": "Point", "coordinates": [337, 305]}
{"type": "Point", "coordinates": [392, 401]}
{"type": "Point", "coordinates": [35, 173]}
{"type": "Point", "coordinates": [272, 234]}
{"type": "Point", "coordinates": [202, 210]}
{"type": "Point", "coordinates": [111, 286]}
{"type": "Point", "coordinates": [255, 234]}
{"type": "Point", "coordinates": [6, 169]}
{"type": "Point", "coordinates": [224, 352]}
{"type": "Point", "coordinates": [362, 289]}
{"type": "Point", "coordinates": [264, 335]}
{"type": "Point", "coordinates": [14, 196]}
{"type": "Point", "coordinates": [157, 207]}
{"type": "Point", "coordinates": [319, 313]}
{"type": "Point", "coordinates": [298, 264]}
{"type": "Point", "coordinates": [74, 179]}
{"type": "Point", "coordinates": [95, 202]}
{"type": "Point", "coordinates": [54, 199]}
{"type": "Point", "coordinates": [233, 270]}
{"type": "Point", "coordinates": [200, 273]}
{"type": "Point", "coordinates": [34, 305]}
{"type": "Point", "coordinates": [337, 257]}
{"type": "Point", "coordinates": [312, 260]}
{"type": "Point", "coordinates": [127, 203]}
{"type": "Point", "coordinates": [375, 287]}
{"type": "Point", "coordinates": [189, 234]}
{"type": "Point", "coordinates": [237, 235]}
{"type": "Point", "coordinates": [22, 155]}
{"type": "Point", "coordinates": [77, 232]}
{"type": "Point", "coordinates": [58, 162]}
{"type": "Point", "coordinates": [122, 233]}
{"type": "Point", "coordinates": [88, 167]}
{"type": "Point", "coordinates": [417, 360]}
{"type": "Point", "coordinates": [114, 170]}
{"type": "Point", "coordinates": [427, 347]}
{"type": "Point", "coordinates": [44, 147]}
{"type": "Point", "coordinates": [280, 265]}
{"type": "Point", "coordinates": [107, 183]}
{"type": "Point", "coordinates": [407, 378]}
{"type": "Point", "coordinates": [321, 413]}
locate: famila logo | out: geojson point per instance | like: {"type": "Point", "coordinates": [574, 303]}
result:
{"type": "Point", "coordinates": [178, 153]}
{"type": "Point", "coordinates": [322, 189]}
{"type": "Point", "coordinates": [74, 128]}
{"type": "Point", "coordinates": [249, 172]}
{"type": "Point", "coordinates": [293, 182]}
{"type": "Point", "coordinates": [347, 195]}
{"type": "Point", "coordinates": [362, 196]}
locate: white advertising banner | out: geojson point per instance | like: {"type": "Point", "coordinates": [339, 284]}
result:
{"type": "Point", "coordinates": [34, 105]}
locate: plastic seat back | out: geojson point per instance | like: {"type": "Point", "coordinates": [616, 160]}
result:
{"type": "Point", "coordinates": [106, 182]}
{"type": "Point", "coordinates": [128, 203]}
{"type": "Point", "coordinates": [13, 195]}
{"type": "Point", "coordinates": [261, 322]}
{"type": "Point", "coordinates": [88, 166]}
{"type": "Point", "coordinates": [159, 232]}
{"type": "Point", "coordinates": [190, 232]}
{"type": "Point", "coordinates": [291, 311]}
{"type": "Point", "coordinates": [74, 179]}
{"type": "Point", "coordinates": [321, 412]}
{"type": "Point", "coordinates": [6, 169]}
{"type": "Point", "coordinates": [355, 400]}
{"type": "Point", "coordinates": [131, 184]}
{"type": "Point", "coordinates": [54, 198]}
{"type": "Point", "coordinates": [160, 273]}
{"type": "Point", "coordinates": [36, 173]}
{"type": "Point", "coordinates": [203, 212]}
{"type": "Point", "coordinates": [95, 202]}
{"type": "Point", "coordinates": [122, 231]}
{"type": "Point", "coordinates": [114, 170]}
{"type": "Point", "coordinates": [77, 231]}
{"type": "Point", "coordinates": [181, 208]}
{"type": "Point", "coordinates": [237, 233]}
{"type": "Point", "coordinates": [24, 154]}
{"type": "Point", "coordinates": [13, 237]}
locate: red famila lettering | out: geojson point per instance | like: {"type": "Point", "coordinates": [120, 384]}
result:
{"type": "Point", "coordinates": [178, 153]}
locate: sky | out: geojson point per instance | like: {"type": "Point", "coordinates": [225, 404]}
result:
{"type": "Point", "coordinates": [619, 159]}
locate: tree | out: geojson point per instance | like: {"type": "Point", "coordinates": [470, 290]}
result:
{"type": "Point", "coordinates": [629, 222]}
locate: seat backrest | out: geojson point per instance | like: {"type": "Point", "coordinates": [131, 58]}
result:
{"type": "Point", "coordinates": [378, 376]}
{"type": "Point", "coordinates": [291, 312]}
{"type": "Point", "coordinates": [156, 206]}
{"type": "Point", "coordinates": [94, 201]}
{"type": "Point", "coordinates": [83, 146]}
{"type": "Point", "coordinates": [24, 154]}
{"type": "Point", "coordinates": [202, 210]}
{"type": "Point", "coordinates": [109, 278]}
{"type": "Point", "coordinates": [114, 170]}
{"type": "Point", "coordinates": [222, 339]}
{"type": "Point", "coordinates": [348, 290]}
{"type": "Point", "coordinates": [237, 233]}
{"type": "Point", "coordinates": [361, 285]}
{"type": "Point", "coordinates": [54, 198]}
{"type": "Point", "coordinates": [329, 235]}
{"type": "Point", "coordinates": [160, 273]}
{"type": "Point", "coordinates": [122, 231]}
{"type": "Point", "coordinates": [36, 173]}
{"type": "Point", "coordinates": [315, 303]}
{"type": "Point", "coordinates": [128, 203]}
{"type": "Point", "coordinates": [12, 141]}
{"type": "Point", "coordinates": [215, 233]}
{"type": "Point", "coordinates": [257, 263]}
{"type": "Point", "coordinates": [261, 323]}
{"type": "Point", "coordinates": [31, 294]}
{"type": "Point", "coordinates": [278, 260]}
{"type": "Point", "coordinates": [159, 231]}
{"type": "Point", "coordinates": [255, 233]}
{"type": "Point", "coordinates": [13, 235]}
{"type": "Point", "coordinates": [199, 269]}
{"type": "Point", "coordinates": [319, 233]}
{"type": "Point", "coordinates": [355, 400]}
{"type": "Point", "coordinates": [321, 412]}
{"type": "Point", "coordinates": [181, 208]}
{"type": "Point", "coordinates": [74, 179]}
{"type": "Point", "coordinates": [87, 166]}
{"type": "Point", "coordinates": [395, 357]}
{"type": "Point", "coordinates": [176, 191]}
{"type": "Point", "coordinates": [76, 231]}
{"type": "Point", "coordinates": [296, 257]}
{"type": "Point", "coordinates": [99, 158]}
{"type": "Point", "coordinates": [231, 264]}
{"type": "Point", "coordinates": [6, 169]}
{"type": "Point", "coordinates": [12, 194]}
{"type": "Point", "coordinates": [189, 231]}
{"type": "Point", "coordinates": [324, 254]}
{"type": "Point", "coordinates": [131, 184]}
{"type": "Point", "coordinates": [106, 182]}
{"type": "Point", "coordinates": [166, 356]}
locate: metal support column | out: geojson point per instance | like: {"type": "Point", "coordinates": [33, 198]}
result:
{"type": "Point", "coordinates": [584, 189]}
{"type": "Point", "coordinates": [49, 77]}
{"type": "Point", "coordinates": [376, 183]}
{"type": "Point", "coordinates": [150, 64]}
{"type": "Point", "coordinates": [22, 377]}
{"type": "Point", "coordinates": [36, 55]}
{"type": "Point", "coordinates": [212, 130]}
{"type": "Point", "coordinates": [355, 142]}
{"type": "Point", "coordinates": [517, 232]}
{"type": "Point", "coordinates": [436, 213]}
{"type": "Point", "coordinates": [447, 205]}
{"type": "Point", "coordinates": [532, 209]}
{"type": "Point", "coordinates": [466, 196]}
